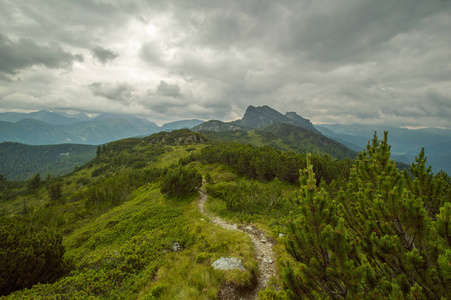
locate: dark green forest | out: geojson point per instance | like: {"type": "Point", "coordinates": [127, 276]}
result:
{"type": "Point", "coordinates": [342, 227]}
{"type": "Point", "coordinates": [20, 161]}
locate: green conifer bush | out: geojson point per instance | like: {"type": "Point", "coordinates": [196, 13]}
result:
{"type": "Point", "coordinates": [385, 235]}
{"type": "Point", "coordinates": [29, 254]}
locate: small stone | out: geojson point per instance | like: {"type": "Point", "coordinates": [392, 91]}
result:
{"type": "Point", "coordinates": [263, 240]}
{"type": "Point", "coordinates": [202, 220]}
{"type": "Point", "coordinates": [280, 235]}
{"type": "Point", "coordinates": [268, 261]}
{"type": "Point", "coordinates": [176, 247]}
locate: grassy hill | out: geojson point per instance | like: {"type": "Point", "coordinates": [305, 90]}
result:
{"type": "Point", "coordinates": [114, 230]}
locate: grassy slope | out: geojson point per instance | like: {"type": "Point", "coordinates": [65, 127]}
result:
{"type": "Point", "coordinates": [126, 251]}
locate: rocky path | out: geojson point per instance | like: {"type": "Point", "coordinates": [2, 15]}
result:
{"type": "Point", "coordinates": [263, 252]}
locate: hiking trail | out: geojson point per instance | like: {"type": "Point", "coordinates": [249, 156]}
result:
{"type": "Point", "coordinates": [264, 254]}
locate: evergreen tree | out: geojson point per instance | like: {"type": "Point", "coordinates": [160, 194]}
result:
{"type": "Point", "coordinates": [386, 235]}
{"type": "Point", "coordinates": [392, 226]}
{"type": "Point", "coordinates": [326, 262]}
{"type": "Point", "coordinates": [34, 182]}
{"type": "Point", "coordinates": [431, 189]}
{"type": "Point", "coordinates": [55, 190]}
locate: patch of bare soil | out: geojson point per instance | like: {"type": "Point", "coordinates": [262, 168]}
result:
{"type": "Point", "coordinates": [263, 253]}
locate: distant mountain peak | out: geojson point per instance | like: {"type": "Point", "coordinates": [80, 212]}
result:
{"type": "Point", "coordinates": [262, 116]}
{"type": "Point", "coordinates": [181, 124]}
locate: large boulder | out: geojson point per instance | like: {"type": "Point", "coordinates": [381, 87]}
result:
{"type": "Point", "coordinates": [228, 263]}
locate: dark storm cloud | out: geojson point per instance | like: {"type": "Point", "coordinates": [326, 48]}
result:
{"type": "Point", "coordinates": [121, 92]}
{"type": "Point", "coordinates": [25, 53]}
{"type": "Point", "coordinates": [104, 55]}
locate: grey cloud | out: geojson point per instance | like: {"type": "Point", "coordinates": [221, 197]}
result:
{"type": "Point", "coordinates": [352, 31]}
{"type": "Point", "coordinates": [188, 108]}
{"type": "Point", "coordinates": [169, 90]}
{"type": "Point", "coordinates": [104, 55]}
{"type": "Point", "coordinates": [331, 61]}
{"type": "Point", "coordinates": [26, 53]}
{"type": "Point", "coordinates": [150, 52]}
{"type": "Point", "coordinates": [441, 102]}
{"type": "Point", "coordinates": [77, 23]}
{"type": "Point", "coordinates": [121, 92]}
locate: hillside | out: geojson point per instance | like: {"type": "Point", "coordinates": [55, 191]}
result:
{"type": "Point", "coordinates": [279, 135]}
{"type": "Point", "coordinates": [21, 162]}
{"type": "Point", "coordinates": [127, 225]}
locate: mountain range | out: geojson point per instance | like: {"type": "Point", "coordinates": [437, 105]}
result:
{"type": "Point", "coordinates": [48, 128]}
{"type": "Point", "coordinates": [45, 128]}
{"type": "Point", "coordinates": [405, 143]}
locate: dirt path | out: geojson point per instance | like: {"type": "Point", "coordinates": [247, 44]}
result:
{"type": "Point", "coordinates": [263, 253]}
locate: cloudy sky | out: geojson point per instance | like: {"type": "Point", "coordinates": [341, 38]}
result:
{"type": "Point", "coordinates": [345, 61]}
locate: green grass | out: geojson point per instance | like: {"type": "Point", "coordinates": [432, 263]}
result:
{"type": "Point", "coordinates": [124, 250]}
{"type": "Point", "coordinates": [126, 253]}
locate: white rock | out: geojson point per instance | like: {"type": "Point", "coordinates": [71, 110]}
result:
{"type": "Point", "coordinates": [228, 263]}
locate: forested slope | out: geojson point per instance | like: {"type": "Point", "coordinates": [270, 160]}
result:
{"type": "Point", "coordinates": [20, 161]}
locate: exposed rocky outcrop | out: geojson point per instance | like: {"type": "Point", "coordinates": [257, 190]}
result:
{"type": "Point", "coordinates": [176, 137]}
{"type": "Point", "coordinates": [217, 126]}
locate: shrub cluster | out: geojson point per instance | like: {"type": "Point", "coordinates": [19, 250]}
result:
{"type": "Point", "coordinates": [180, 181]}
{"type": "Point", "coordinates": [267, 163]}
{"type": "Point", "coordinates": [29, 254]}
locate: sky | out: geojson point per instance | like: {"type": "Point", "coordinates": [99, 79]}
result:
{"type": "Point", "coordinates": [331, 61]}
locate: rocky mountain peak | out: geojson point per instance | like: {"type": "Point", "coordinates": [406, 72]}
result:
{"type": "Point", "coordinates": [262, 116]}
